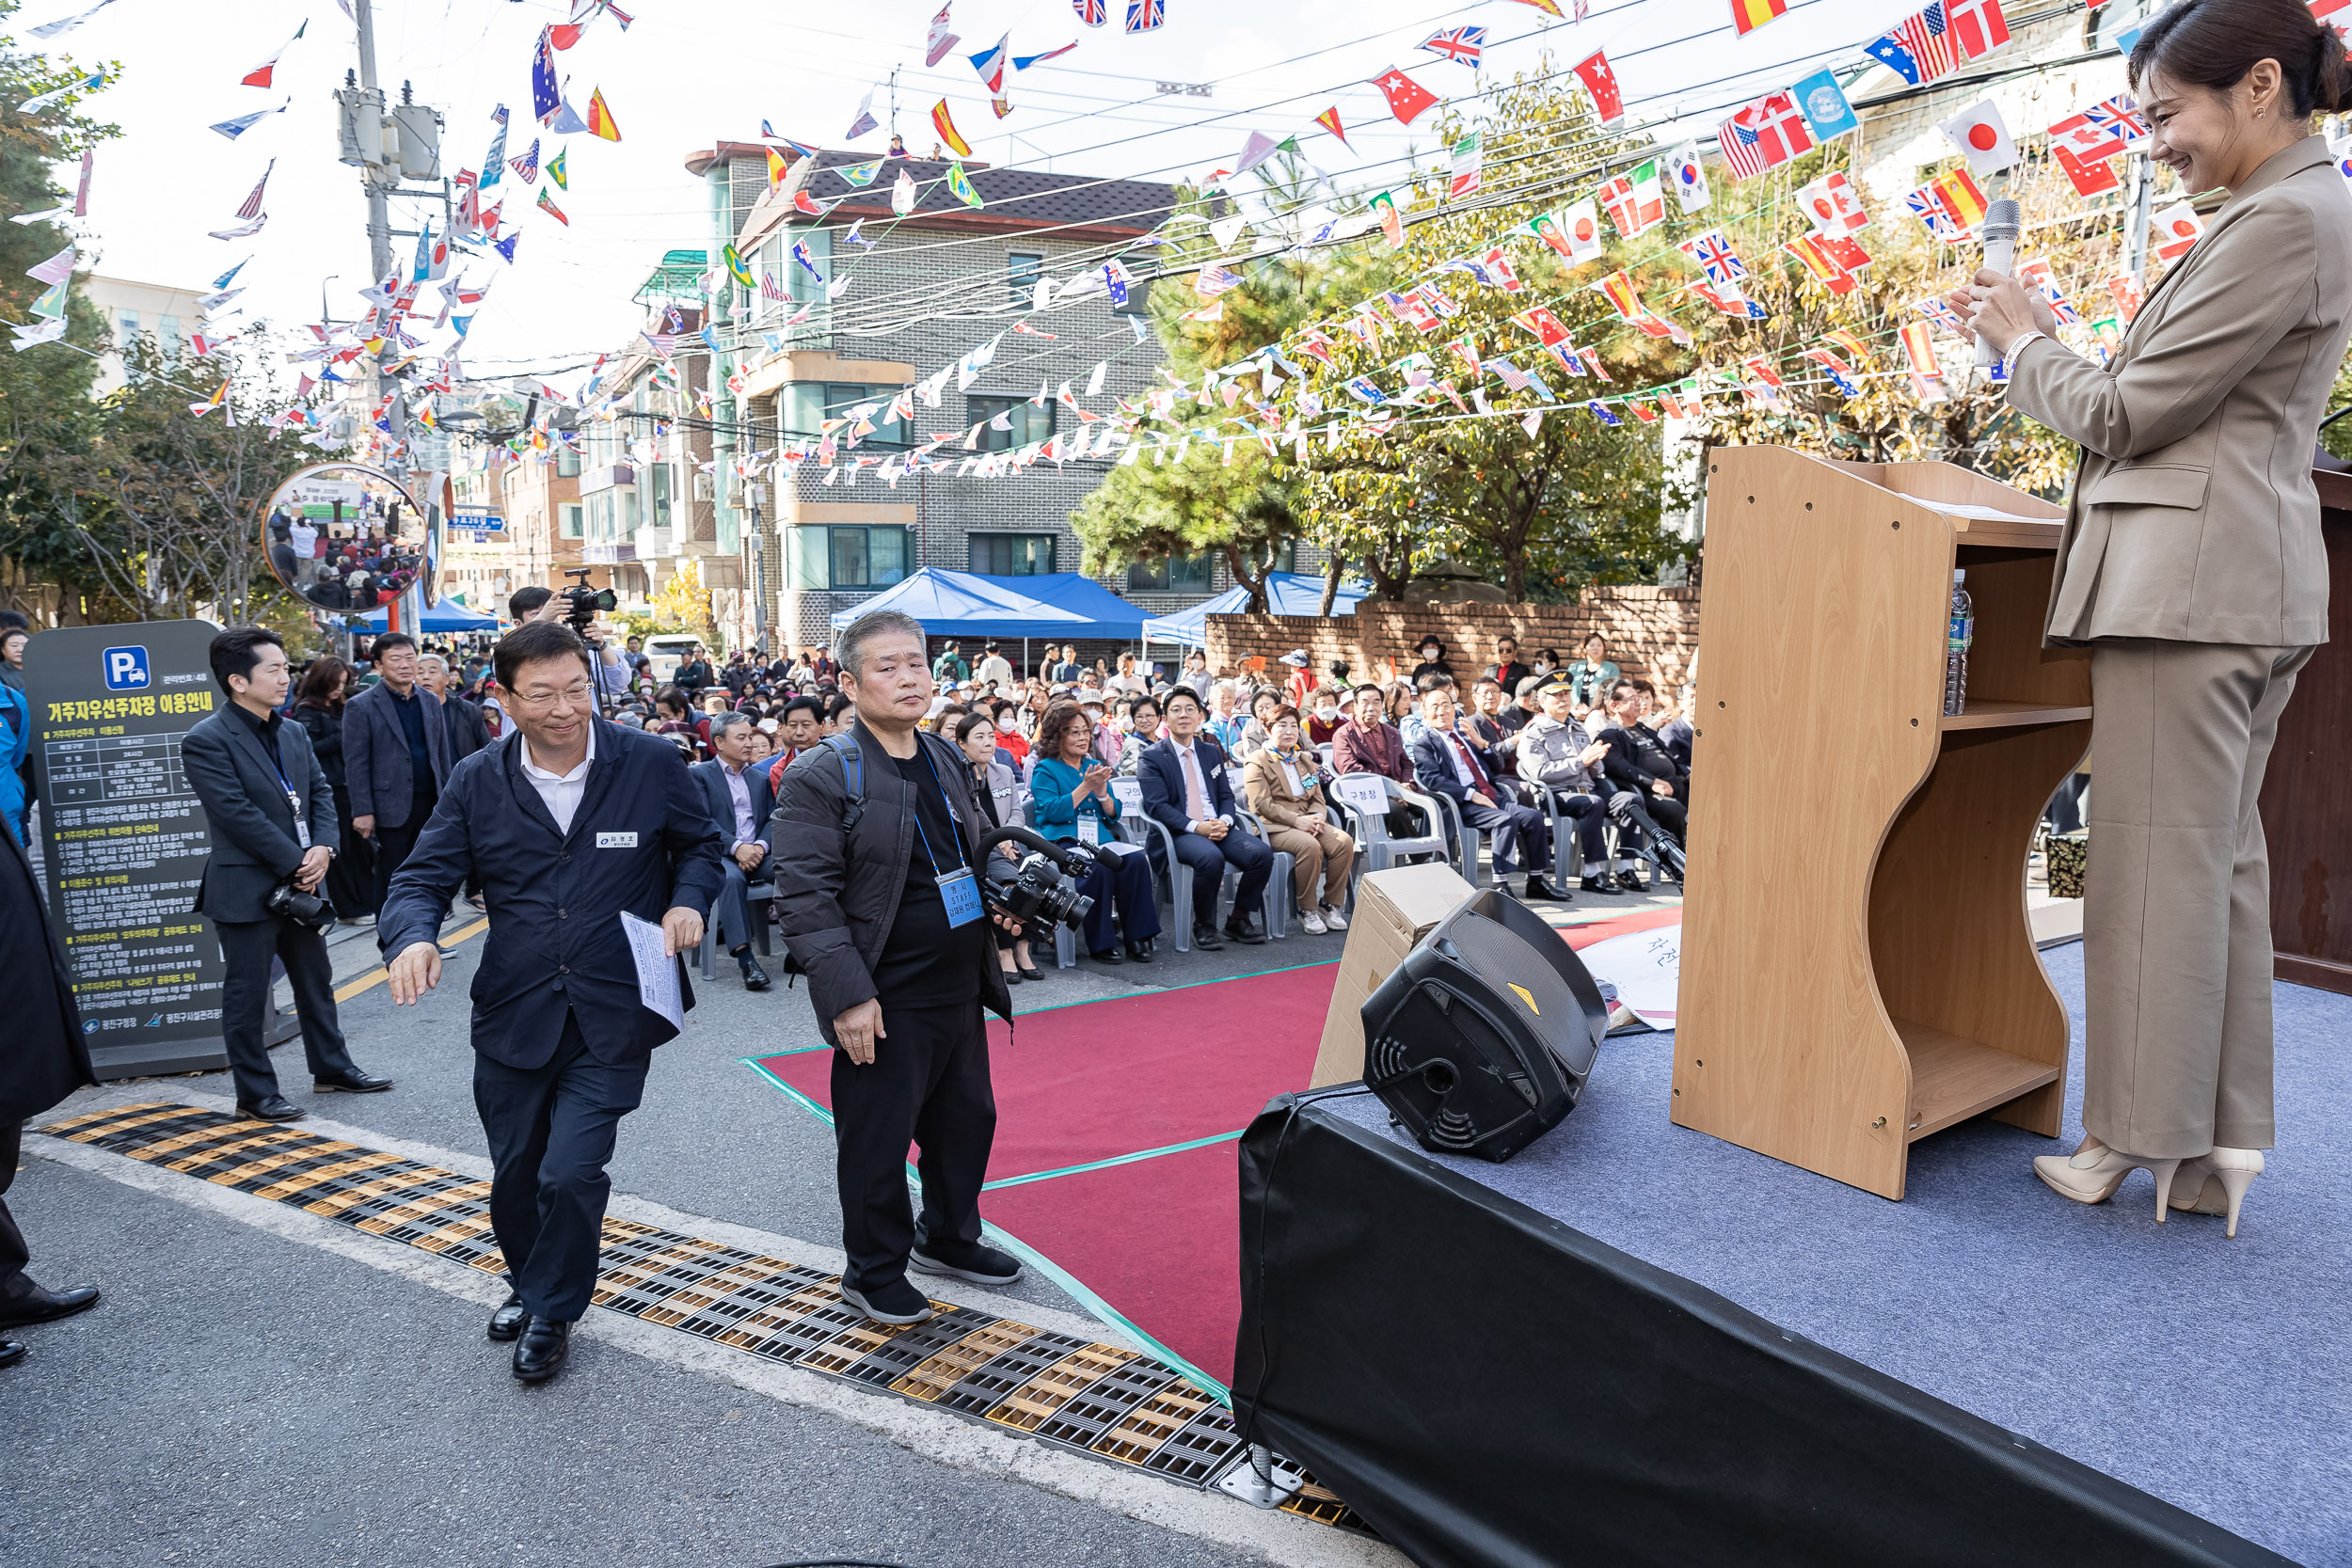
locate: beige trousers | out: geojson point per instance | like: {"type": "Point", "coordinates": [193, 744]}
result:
{"type": "Point", "coordinates": [2176, 914]}
{"type": "Point", "coordinates": [1325, 859]}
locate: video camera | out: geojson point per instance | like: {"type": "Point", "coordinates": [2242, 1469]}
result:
{"type": "Point", "coordinates": [583, 604]}
{"type": "Point", "coordinates": [1039, 888]}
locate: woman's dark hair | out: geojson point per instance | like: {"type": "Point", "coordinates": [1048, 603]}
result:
{"type": "Point", "coordinates": [2214, 43]}
{"type": "Point", "coordinates": [322, 684]}
{"type": "Point", "coordinates": [1285, 711]}
{"type": "Point", "coordinates": [532, 643]}
{"type": "Point", "coordinates": [970, 721]}
{"type": "Point", "coordinates": [1057, 719]}
{"type": "Point", "coordinates": [669, 699]}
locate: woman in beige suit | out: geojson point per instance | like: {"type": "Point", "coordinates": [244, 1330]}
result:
{"type": "Point", "coordinates": [1282, 781]}
{"type": "Point", "coordinates": [2192, 567]}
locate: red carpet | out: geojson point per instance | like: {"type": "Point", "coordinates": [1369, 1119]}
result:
{"type": "Point", "coordinates": [1078, 1085]}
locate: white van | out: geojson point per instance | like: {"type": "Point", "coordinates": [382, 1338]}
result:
{"type": "Point", "coordinates": [666, 651]}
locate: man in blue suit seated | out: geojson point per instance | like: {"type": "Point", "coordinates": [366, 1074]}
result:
{"type": "Point", "coordinates": [566, 822]}
{"type": "Point", "coordinates": [1450, 762]}
{"type": "Point", "coordinates": [1184, 787]}
{"type": "Point", "coordinates": [740, 804]}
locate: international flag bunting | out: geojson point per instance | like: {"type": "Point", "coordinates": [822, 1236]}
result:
{"type": "Point", "coordinates": [261, 74]}
{"type": "Point", "coordinates": [936, 45]}
{"type": "Point", "coordinates": [1977, 26]}
{"type": "Point", "coordinates": [990, 64]}
{"type": "Point", "coordinates": [545, 98]}
{"type": "Point", "coordinates": [2039, 275]}
{"type": "Point", "coordinates": [1093, 12]}
{"type": "Point", "coordinates": [1919, 348]}
{"type": "Point", "coordinates": [1392, 225]}
{"type": "Point", "coordinates": [1919, 50]}
{"type": "Point", "coordinates": [1762, 136]}
{"type": "Point", "coordinates": [1730, 301]}
{"type": "Point", "coordinates": [1688, 178]}
{"type": "Point", "coordinates": [527, 166]}
{"type": "Point", "coordinates": [251, 207]}
{"type": "Point", "coordinates": [1939, 314]}
{"type": "Point", "coordinates": [1962, 198]}
{"type": "Point", "coordinates": [860, 174]}
{"type": "Point", "coordinates": [902, 193]}
{"type": "Point", "coordinates": [1634, 201]}
{"type": "Point", "coordinates": [600, 121]}
{"type": "Point", "coordinates": [1822, 267]}
{"type": "Point", "coordinates": [865, 121]}
{"type": "Point", "coordinates": [961, 186]}
{"type": "Point", "coordinates": [1928, 208]}
{"type": "Point", "coordinates": [547, 204]}
{"type": "Point", "coordinates": [218, 398]}
{"type": "Point", "coordinates": [1982, 137]}
{"type": "Point", "coordinates": [505, 248]}
{"type": "Point", "coordinates": [1712, 251]}
{"type": "Point", "coordinates": [1748, 15]}
{"type": "Point", "coordinates": [1462, 45]}
{"type": "Point", "coordinates": [1825, 107]}
{"type": "Point", "coordinates": [1601, 411]}
{"type": "Point", "coordinates": [1601, 81]}
{"type": "Point", "coordinates": [1407, 99]}
{"type": "Point", "coordinates": [1619, 288]}
{"type": "Point", "coordinates": [738, 268]}
{"type": "Point", "coordinates": [777, 169]}
{"type": "Point", "coordinates": [1500, 273]}
{"type": "Point", "coordinates": [2127, 293]}
{"type": "Point", "coordinates": [39, 101]}
{"type": "Point", "coordinates": [770, 289]}
{"type": "Point", "coordinates": [233, 128]}
{"type": "Point", "coordinates": [2088, 179]}
{"type": "Point", "coordinates": [1831, 206]}
{"type": "Point", "coordinates": [1466, 166]}
{"type": "Point", "coordinates": [1022, 62]}
{"type": "Point", "coordinates": [1841, 373]}
{"type": "Point", "coordinates": [1577, 225]}
{"type": "Point", "coordinates": [2177, 227]}
{"type": "Point", "coordinates": [1144, 15]}
{"type": "Point", "coordinates": [2102, 130]}
{"type": "Point", "coordinates": [946, 126]}
{"type": "Point", "coordinates": [1329, 120]}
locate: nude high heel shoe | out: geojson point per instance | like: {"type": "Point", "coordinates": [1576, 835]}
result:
{"type": "Point", "coordinates": [2216, 1183]}
{"type": "Point", "coordinates": [2093, 1172]}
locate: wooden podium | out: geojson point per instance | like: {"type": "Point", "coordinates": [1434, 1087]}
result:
{"type": "Point", "coordinates": [1858, 969]}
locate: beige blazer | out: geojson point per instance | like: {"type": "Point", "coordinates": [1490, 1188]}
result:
{"type": "Point", "coordinates": [2194, 518]}
{"type": "Point", "coordinates": [1269, 794]}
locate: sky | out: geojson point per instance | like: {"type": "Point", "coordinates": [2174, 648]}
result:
{"type": "Point", "coordinates": [687, 73]}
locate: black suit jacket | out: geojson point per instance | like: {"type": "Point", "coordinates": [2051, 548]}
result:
{"type": "Point", "coordinates": [252, 823]}
{"type": "Point", "coordinates": [43, 1054]}
{"type": "Point", "coordinates": [1433, 765]}
{"type": "Point", "coordinates": [713, 777]}
{"type": "Point", "coordinates": [1161, 774]}
{"type": "Point", "coordinates": [468, 732]}
{"type": "Point", "coordinates": [377, 773]}
{"type": "Point", "coordinates": [642, 841]}
{"type": "Point", "coordinates": [1636, 760]}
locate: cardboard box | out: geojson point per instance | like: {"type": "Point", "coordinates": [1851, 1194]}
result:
{"type": "Point", "coordinates": [1394, 909]}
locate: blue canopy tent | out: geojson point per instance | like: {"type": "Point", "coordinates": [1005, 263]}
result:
{"type": "Point", "coordinates": [964, 604]}
{"type": "Point", "coordinates": [446, 616]}
{"type": "Point", "coordinates": [1286, 594]}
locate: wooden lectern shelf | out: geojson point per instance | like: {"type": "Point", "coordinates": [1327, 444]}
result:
{"type": "Point", "coordinates": [1858, 970]}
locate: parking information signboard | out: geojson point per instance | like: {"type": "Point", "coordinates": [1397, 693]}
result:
{"type": "Point", "coordinates": [124, 838]}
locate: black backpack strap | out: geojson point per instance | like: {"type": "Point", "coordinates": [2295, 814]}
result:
{"type": "Point", "coordinates": [854, 778]}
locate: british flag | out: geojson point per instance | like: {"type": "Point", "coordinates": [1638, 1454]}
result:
{"type": "Point", "coordinates": [1144, 15]}
{"type": "Point", "coordinates": [1713, 253]}
{"type": "Point", "coordinates": [1928, 209]}
{"type": "Point", "coordinates": [1459, 44]}
{"type": "Point", "coordinates": [1764, 136]}
{"type": "Point", "coordinates": [1093, 12]}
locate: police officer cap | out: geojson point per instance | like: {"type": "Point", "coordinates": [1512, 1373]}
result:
{"type": "Point", "coordinates": [1557, 681]}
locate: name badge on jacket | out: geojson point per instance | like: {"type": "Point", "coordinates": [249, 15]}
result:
{"type": "Point", "coordinates": [616, 841]}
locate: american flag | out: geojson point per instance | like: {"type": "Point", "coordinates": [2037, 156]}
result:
{"type": "Point", "coordinates": [769, 288]}
{"type": "Point", "coordinates": [1764, 136]}
{"type": "Point", "coordinates": [1459, 44]}
{"type": "Point", "coordinates": [252, 208]}
{"type": "Point", "coordinates": [1144, 15]}
{"type": "Point", "coordinates": [1713, 253]}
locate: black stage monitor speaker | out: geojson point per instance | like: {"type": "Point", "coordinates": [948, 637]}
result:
{"type": "Point", "coordinates": [1481, 1040]}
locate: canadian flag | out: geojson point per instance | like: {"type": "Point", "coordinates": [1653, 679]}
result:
{"type": "Point", "coordinates": [2177, 227]}
{"type": "Point", "coordinates": [1832, 207]}
{"type": "Point", "coordinates": [1601, 83]}
{"type": "Point", "coordinates": [2336, 13]}
{"type": "Point", "coordinates": [1982, 137]}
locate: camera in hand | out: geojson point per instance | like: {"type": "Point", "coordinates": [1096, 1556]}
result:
{"type": "Point", "coordinates": [583, 604]}
{"type": "Point", "coordinates": [303, 908]}
{"type": "Point", "coordinates": [1039, 888]}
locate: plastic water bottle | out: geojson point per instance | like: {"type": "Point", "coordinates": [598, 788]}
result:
{"type": "Point", "coordinates": [1963, 630]}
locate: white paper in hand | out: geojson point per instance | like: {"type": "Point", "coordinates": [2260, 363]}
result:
{"type": "Point", "coordinates": [657, 971]}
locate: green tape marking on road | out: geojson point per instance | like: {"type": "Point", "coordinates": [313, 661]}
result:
{"type": "Point", "coordinates": [1114, 1160]}
{"type": "Point", "coordinates": [1104, 1312]}
{"type": "Point", "coordinates": [806, 1104]}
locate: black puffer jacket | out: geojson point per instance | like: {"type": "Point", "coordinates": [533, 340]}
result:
{"type": "Point", "coordinates": [840, 898]}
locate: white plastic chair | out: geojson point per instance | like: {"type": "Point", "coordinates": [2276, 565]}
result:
{"type": "Point", "coordinates": [1376, 849]}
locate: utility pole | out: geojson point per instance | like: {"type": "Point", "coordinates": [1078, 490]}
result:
{"type": "Point", "coordinates": [2136, 216]}
{"type": "Point", "coordinates": [377, 179]}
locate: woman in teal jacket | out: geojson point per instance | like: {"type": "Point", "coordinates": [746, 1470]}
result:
{"type": "Point", "coordinates": [16, 737]}
{"type": "Point", "coordinates": [1070, 799]}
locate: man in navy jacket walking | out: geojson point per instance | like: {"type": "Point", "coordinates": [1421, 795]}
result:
{"type": "Point", "coordinates": [565, 823]}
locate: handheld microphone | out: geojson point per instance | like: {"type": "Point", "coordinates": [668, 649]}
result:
{"type": "Point", "coordinates": [2002, 219]}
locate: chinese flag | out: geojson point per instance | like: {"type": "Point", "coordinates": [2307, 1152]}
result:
{"type": "Point", "coordinates": [1748, 15]}
{"type": "Point", "coordinates": [2089, 178]}
{"type": "Point", "coordinates": [1407, 100]}
{"type": "Point", "coordinates": [1601, 83]}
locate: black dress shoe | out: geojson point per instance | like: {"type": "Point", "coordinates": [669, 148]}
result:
{"type": "Point", "coordinates": [1108, 955]}
{"type": "Point", "coordinates": [354, 1082]}
{"type": "Point", "coordinates": [1030, 972]}
{"type": "Point", "coordinates": [1539, 888]}
{"type": "Point", "coordinates": [539, 1352]}
{"type": "Point", "coordinates": [1631, 883]}
{"type": "Point", "coordinates": [276, 1108]}
{"type": "Point", "coordinates": [1601, 885]}
{"type": "Point", "coordinates": [1244, 932]}
{"type": "Point", "coordinates": [1013, 976]}
{"type": "Point", "coordinates": [754, 977]}
{"type": "Point", "coordinates": [42, 1307]}
{"type": "Point", "coordinates": [1206, 939]}
{"type": "Point", "coordinates": [11, 1351]}
{"type": "Point", "coordinates": [507, 1322]}
{"type": "Point", "coordinates": [1140, 952]}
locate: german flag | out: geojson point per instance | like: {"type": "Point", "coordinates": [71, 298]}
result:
{"type": "Point", "coordinates": [1748, 15]}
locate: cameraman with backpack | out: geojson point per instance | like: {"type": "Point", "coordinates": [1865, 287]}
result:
{"type": "Point", "coordinates": [877, 833]}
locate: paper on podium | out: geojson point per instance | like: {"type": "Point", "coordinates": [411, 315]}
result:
{"type": "Point", "coordinates": [1987, 513]}
{"type": "Point", "coordinates": [657, 971]}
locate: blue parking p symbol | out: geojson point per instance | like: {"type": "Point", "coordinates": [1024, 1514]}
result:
{"type": "Point", "coordinates": [126, 668]}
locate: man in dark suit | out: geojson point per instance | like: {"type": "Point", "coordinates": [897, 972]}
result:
{"type": "Point", "coordinates": [42, 1059]}
{"type": "Point", "coordinates": [1448, 761]}
{"type": "Point", "coordinates": [1639, 762]}
{"type": "Point", "coordinates": [742, 804]}
{"type": "Point", "coordinates": [1184, 787]}
{"type": "Point", "coordinates": [272, 816]}
{"type": "Point", "coordinates": [569, 822]}
{"type": "Point", "coordinates": [395, 756]}
{"type": "Point", "coordinates": [462, 720]}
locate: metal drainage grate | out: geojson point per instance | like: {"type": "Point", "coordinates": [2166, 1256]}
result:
{"type": "Point", "coordinates": [1093, 1398]}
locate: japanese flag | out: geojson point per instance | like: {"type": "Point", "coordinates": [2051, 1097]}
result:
{"type": "Point", "coordinates": [2177, 227]}
{"type": "Point", "coordinates": [1831, 205]}
{"type": "Point", "coordinates": [1580, 222]}
{"type": "Point", "coordinates": [1982, 138]}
